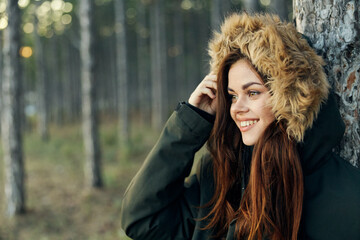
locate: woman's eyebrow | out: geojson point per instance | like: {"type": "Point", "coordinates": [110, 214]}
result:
{"type": "Point", "coordinates": [249, 84]}
{"type": "Point", "coordinates": [230, 90]}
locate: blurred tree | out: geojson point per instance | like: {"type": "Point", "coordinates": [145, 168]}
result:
{"type": "Point", "coordinates": [178, 31]}
{"type": "Point", "coordinates": [90, 125]}
{"type": "Point", "coordinates": [122, 69]}
{"type": "Point", "coordinates": [215, 14]}
{"type": "Point", "coordinates": [11, 122]}
{"type": "Point", "coordinates": [158, 63]}
{"type": "Point", "coordinates": [219, 9]}
{"type": "Point", "coordinates": [143, 56]}
{"type": "Point", "coordinates": [251, 5]}
{"type": "Point", "coordinates": [56, 86]}
{"type": "Point", "coordinates": [1, 73]}
{"type": "Point", "coordinates": [280, 7]}
{"type": "Point", "coordinates": [42, 86]}
{"type": "Point", "coordinates": [334, 30]}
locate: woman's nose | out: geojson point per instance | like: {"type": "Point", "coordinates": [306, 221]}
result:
{"type": "Point", "coordinates": [239, 106]}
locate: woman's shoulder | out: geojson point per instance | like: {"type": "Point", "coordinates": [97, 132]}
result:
{"type": "Point", "coordinates": [332, 201]}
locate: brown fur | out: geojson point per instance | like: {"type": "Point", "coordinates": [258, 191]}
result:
{"type": "Point", "coordinates": [295, 75]}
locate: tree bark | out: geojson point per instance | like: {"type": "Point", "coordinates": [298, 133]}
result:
{"type": "Point", "coordinates": [90, 126]}
{"type": "Point", "coordinates": [11, 122]}
{"type": "Point", "coordinates": [333, 27]}
{"type": "Point", "coordinates": [122, 69]}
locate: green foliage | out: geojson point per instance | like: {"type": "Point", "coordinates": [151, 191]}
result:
{"type": "Point", "coordinates": [58, 205]}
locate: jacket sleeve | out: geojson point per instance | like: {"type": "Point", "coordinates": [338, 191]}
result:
{"type": "Point", "coordinates": [159, 203]}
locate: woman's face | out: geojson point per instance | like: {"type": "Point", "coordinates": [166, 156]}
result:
{"type": "Point", "coordinates": [249, 108]}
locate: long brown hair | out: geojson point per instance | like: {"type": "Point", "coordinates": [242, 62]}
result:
{"type": "Point", "coordinates": [272, 202]}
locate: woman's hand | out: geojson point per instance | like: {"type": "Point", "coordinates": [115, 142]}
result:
{"type": "Point", "coordinates": [204, 96]}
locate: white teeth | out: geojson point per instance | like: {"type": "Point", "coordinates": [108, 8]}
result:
{"type": "Point", "coordinates": [247, 123]}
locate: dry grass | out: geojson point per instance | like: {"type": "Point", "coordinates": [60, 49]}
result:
{"type": "Point", "coordinates": [58, 205]}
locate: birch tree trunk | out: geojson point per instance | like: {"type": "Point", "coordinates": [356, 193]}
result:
{"type": "Point", "coordinates": [158, 63]}
{"type": "Point", "coordinates": [333, 27]}
{"type": "Point", "coordinates": [121, 69]}
{"type": "Point", "coordinates": [90, 126]}
{"type": "Point", "coordinates": [11, 123]}
{"type": "Point", "coordinates": [41, 85]}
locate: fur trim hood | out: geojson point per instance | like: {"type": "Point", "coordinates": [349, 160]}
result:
{"type": "Point", "coordinates": [294, 72]}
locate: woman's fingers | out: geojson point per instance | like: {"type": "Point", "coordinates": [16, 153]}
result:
{"type": "Point", "coordinates": [208, 91]}
{"type": "Point", "coordinates": [204, 92]}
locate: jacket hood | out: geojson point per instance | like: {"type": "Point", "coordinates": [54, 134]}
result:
{"type": "Point", "coordinates": [326, 133]}
{"type": "Point", "coordinates": [294, 72]}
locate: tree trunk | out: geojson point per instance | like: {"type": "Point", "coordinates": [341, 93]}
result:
{"type": "Point", "coordinates": [122, 69]}
{"type": "Point", "coordinates": [11, 122]}
{"type": "Point", "coordinates": [251, 5]}
{"type": "Point", "coordinates": [333, 28]}
{"type": "Point", "coordinates": [219, 10]}
{"type": "Point", "coordinates": [179, 42]}
{"type": "Point", "coordinates": [69, 85]}
{"type": "Point", "coordinates": [144, 98]}
{"type": "Point", "coordinates": [90, 126]}
{"type": "Point", "coordinates": [41, 86]}
{"type": "Point", "coordinates": [215, 15]}
{"type": "Point", "coordinates": [158, 63]}
{"type": "Point", "coordinates": [74, 63]}
{"type": "Point", "coordinates": [54, 81]}
{"type": "Point", "coordinates": [1, 74]}
{"type": "Point", "coordinates": [280, 7]}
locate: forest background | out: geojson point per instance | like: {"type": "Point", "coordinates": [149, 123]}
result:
{"type": "Point", "coordinates": [144, 56]}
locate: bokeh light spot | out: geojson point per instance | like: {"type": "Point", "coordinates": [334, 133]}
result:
{"type": "Point", "coordinates": [26, 52]}
{"type": "Point", "coordinates": [66, 19]}
{"type": "Point", "coordinates": [23, 3]}
{"type": "Point", "coordinates": [3, 23]}
{"type": "Point", "coordinates": [43, 9]}
{"type": "Point", "coordinates": [265, 2]}
{"type": "Point", "coordinates": [2, 7]}
{"type": "Point", "coordinates": [186, 4]}
{"type": "Point", "coordinates": [28, 28]}
{"type": "Point", "coordinates": [57, 5]}
{"type": "Point", "coordinates": [67, 7]}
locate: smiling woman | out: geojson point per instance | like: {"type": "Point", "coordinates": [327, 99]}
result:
{"type": "Point", "coordinates": [249, 108]}
{"type": "Point", "coordinates": [270, 124]}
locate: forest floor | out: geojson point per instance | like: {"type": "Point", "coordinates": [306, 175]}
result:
{"type": "Point", "coordinates": [58, 204]}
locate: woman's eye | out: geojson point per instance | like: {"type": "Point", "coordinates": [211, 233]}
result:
{"type": "Point", "coordinates": [233, 98]}
{"type": "Point", "coordinates": [252, 93]}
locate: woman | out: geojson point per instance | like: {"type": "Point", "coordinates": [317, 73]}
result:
{"type": "Point", "coordinates": [271, 172]}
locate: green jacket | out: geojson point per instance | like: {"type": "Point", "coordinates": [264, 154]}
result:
{"type": "Point", "coordinates": [160, 204]}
